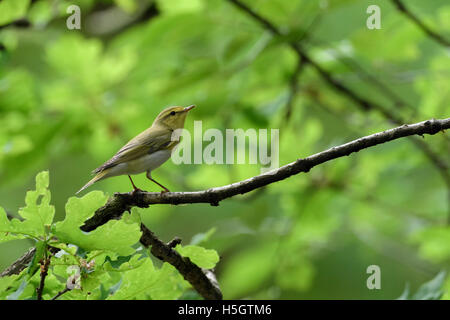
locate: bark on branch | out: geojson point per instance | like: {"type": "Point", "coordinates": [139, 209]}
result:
{"type": "Point", "coordinates": [121, 202]}
{"type": "Point", "coordinates": [19, 264]}
{"type": "Point", "coordinates": [360, 101]}
{"type": "Point", "coordinates": [204, 280]}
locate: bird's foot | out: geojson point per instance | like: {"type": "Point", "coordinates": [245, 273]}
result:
{"type": "Point", "coordinates": [137, 190]}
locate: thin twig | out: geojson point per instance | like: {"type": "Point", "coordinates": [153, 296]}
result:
{"type": "Point", "coordinates": [437, 37]}
{"type": "Point", "coordinates": [44, 272]}
{"type": "Point", "coordinates": [365, 75]}
{"type": "Point", "coordinates": [293, 88]}
{"type": "Point", "coordinates": [19, 23]}
{"type": "Point", "coordinates": [361, 102]}
{"type": "Point", "coordinates": [59, 294]}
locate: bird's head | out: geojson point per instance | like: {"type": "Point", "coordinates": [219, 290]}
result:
{"type": "Point", "coordinates": [173, 117]}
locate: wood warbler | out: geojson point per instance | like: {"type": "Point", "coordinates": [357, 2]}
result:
{"type": "Point", "coordinates": [147, 151]}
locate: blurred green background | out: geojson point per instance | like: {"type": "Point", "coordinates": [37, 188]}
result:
{"type": "Point", "coordinates": [69, 99]}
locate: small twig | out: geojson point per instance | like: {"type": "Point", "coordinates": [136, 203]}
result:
{"type": "Point", "coordinates": [174, 242]}
{"type": "Point", "coordinates": [19, 23]}
{"type": "Point", "coordinates": [437, 37]}
{"type": "Point", "coordinates": [44, 271]}
{"type": "Point", "coordinates": [59, 294]}
{"type": "Point", "coordinates": [293, 88]}
{"type": "Point", "coordinates": [365, 75]}
{"type": "Point", "coordinates": [364, 104]}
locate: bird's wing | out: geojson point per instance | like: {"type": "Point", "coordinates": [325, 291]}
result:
{"type": "Point", "coordinates": [145, 143]}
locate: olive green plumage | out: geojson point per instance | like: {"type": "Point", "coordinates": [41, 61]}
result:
{"type": "Point", "coordinates": [147, 151]}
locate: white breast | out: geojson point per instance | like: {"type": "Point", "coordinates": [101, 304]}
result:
{"type": "Point", "coordinates": [146, 163]}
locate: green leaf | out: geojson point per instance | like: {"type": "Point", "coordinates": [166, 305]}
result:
{"type": "Point", "coordinates": [122, 263]}
{"type": "Point", "coordinates": [127, 5]}
{"type": "Point", "coordinates": [170, 284]}
{"type": "Point", "coordinates": [117, 235]}
{"type": "Point", "coordinates": [204, 258]}
{"type": "Point", "coordinates": [118, 261]}
{"type": "Point", "coordinates": [431, 290]}
{"type": "Point", "coordinates": [16, 294]}
{"type": "Point", "coordinates": [8, 229]}
{"type": "Point", "coordinates": [51, 288]}
{"type": "Point", "coordinates": [41, 246]}
{"type": "Point", "coordinates": [7, 284]}
{"type": "Point", "coordinates": [40, 12]}
{"type": "Point", "coordinates": [433, 242]}
{"type": "Point", "coordinates": [180, 6]}
{"type": "Point", "coordinates": [37, 214]}
{"type": "Point", "coordinates": [146, 282]}
{"type": "Point", "coordinates": [11, 10]}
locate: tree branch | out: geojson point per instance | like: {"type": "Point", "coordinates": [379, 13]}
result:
{"type": "Point", "coordinates": [364, 104]}
{"type": "Point", "coordinates": [19, 23]}
{"type": "Point", "coordinates": [45, 263]}
{"type": "Point", "coordinates": [121, 202]}
{"type": "Point", "coordinates": [19, 264]}
{"type": "Point", "coordinates": [203, 281]}
{"type": "Point", "coordinates": [437, 37]}
{"type": "Point", "coordinates": [361, 102]}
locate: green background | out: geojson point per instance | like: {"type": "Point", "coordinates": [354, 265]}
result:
{"type": "Point", "coordinates": [69, 99]}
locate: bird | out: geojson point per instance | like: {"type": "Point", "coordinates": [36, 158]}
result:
{"type": "Point", "coordinates": [147, 151]}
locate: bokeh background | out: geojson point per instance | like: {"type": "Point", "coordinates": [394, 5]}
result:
{"type": "Point", "coordinates": [69, 99]}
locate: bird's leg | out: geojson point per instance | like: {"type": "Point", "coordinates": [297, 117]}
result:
{"type": "Point", "coordinates": [148, 175]}
{"type": "Point", "coordinates": [134, 187]}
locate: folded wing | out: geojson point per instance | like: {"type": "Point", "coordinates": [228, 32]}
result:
{"type": "Point", "coordinates": [147, 142]}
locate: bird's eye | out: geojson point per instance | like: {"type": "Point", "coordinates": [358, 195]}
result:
{"type": "Point", "coordinates": [172, 113]}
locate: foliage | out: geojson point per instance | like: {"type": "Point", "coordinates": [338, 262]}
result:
{"type": "Point", "coordinates": [431, 290]}
{"type": "Point", "coordinates": [69, 99]}
{"type": "Point", "coordinates": [102, 264]}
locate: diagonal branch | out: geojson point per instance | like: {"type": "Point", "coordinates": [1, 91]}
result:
{"type": "Point", "coordinates": [361, 102]}
{"type": "Point", "coordinates": [121, 202]}
{"type": "Point", "coordinates": [203, 281]}
{"type": "Point", "coordinates": [20, 264]}
{"type": "Point", "coordinates": [437, 37]}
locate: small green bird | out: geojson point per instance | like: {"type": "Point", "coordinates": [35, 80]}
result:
{"type": "Point", "coordinates": [147, 151]}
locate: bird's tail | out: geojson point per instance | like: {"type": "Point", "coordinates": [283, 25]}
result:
{"type": "Point", "coordinates": [98, 176]}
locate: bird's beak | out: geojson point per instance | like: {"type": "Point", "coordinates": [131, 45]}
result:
{"type": "Point", "coordinates": [188, 108]}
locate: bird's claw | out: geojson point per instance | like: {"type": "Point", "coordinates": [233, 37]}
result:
{"type": "Point", "coordinates": [137, 190]}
